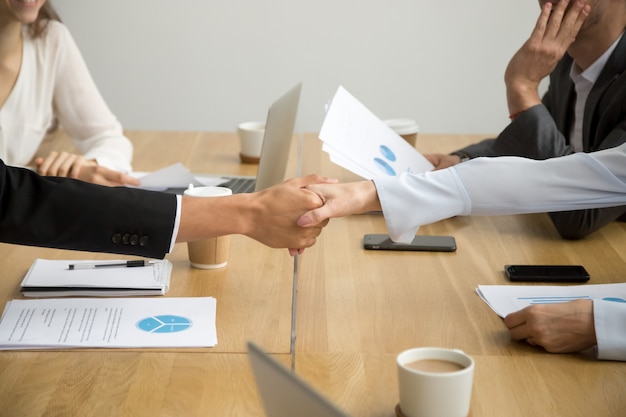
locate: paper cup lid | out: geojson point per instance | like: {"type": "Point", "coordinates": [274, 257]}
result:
{"type": "Point", "coordinates": [403, 126]}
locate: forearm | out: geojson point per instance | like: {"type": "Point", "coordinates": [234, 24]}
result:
{"type": "Point", "coordinates": [497, 186]}
{"type": "Point", "coordinates": [269, 216]}
{"type": "Point", "coordinates": [533, 134]}
{"type": "Point", "coordinates": [226, 215]}
{"type": "Point", "coordinates": [520, 96]}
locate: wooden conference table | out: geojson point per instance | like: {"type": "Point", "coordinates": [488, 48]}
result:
{"type": "Point", "coordinates": [355, 311]}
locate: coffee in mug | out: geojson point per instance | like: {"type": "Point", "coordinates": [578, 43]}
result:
{"type": "Point", "coordinates": [434, 365]}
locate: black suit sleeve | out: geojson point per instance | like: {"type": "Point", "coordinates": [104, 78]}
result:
{"type": "Point", "coordinates": [69, 214]}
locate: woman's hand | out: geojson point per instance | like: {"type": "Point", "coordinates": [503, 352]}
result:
{"type": "Point", "coordinates": [65, 164]}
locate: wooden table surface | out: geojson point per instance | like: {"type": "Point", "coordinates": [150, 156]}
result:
{"type": "Point", "coordinates": [355, 311]}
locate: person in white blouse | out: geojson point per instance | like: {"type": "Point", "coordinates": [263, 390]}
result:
{"type": "Point", "coordinates": [498, 186]}
{"type": "Point", "coordinates": [44, 80]}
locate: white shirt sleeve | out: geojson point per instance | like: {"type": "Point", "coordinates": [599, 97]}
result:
{"type": "Point", "coordinates": [610, 324]}
{"type": "Point", "coordinates": [504, 185]}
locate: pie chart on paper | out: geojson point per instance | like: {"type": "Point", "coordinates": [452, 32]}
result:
{"type": "Point", "coordinates": [164, 324]}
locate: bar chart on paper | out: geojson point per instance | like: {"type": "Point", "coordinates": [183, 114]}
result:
{"type": "Point", "coordinates": [505, 299]}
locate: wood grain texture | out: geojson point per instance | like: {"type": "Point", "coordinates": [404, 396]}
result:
{"type": "Point", "coordinates": [356, 310]}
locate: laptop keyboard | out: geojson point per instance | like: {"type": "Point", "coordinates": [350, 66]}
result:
{"type": "Point", "coordinates": [240, 185]}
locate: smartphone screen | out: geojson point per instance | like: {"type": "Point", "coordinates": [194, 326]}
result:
{"type": "Point", "coordinates": [420, 243]}
{"type": "Point", "coordinates": [546, 273]}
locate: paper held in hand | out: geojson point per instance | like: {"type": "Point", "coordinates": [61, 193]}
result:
{"type": "Point", "coordinates": [358, 141]}
{"type": "Point", "coordinates": [506, 299]}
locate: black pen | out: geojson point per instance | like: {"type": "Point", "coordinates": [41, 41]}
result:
{"type": "Point", "coordinates": [127, 264]}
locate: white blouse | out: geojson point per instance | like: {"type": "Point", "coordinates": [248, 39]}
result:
{"type": "Point", "coordinates": [512, 185]}
{"type": "Point", "coordinates": [54, 81]}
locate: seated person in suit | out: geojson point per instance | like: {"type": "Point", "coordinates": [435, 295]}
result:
{"type": "Point", "coordinates": [504, 185]}
{"type": "Point", "coordinates": [583, 109]}
{"type": "Point", "coordinates": [65, 213]}
{"type": "Point", "coordinates": [44, 81]}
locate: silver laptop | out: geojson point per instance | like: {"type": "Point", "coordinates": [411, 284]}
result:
{"type": "Point", "coordinates": [279, 128]}
{"type": "Point", "coordinates": [283, 393]}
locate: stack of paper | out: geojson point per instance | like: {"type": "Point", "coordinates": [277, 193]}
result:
{"type": "Point", "coordinates": [54, 278]}
{"type": "Point", "coordinates": [111, 323]}
{"type": "Point", "coordinates": [506, 299]}
{"type": "Point", "coordinates": [359, 141]}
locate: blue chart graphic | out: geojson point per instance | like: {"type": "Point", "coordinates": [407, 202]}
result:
{"type": "Point", "coordinates": [164, 324]}
{"type": "Point", "coordinates": [616, 299]}
{"type": "Point", "coordinates": [553, 299]}
{"type": "Point", "coordinates": [389, 156]}
{"type": "Point", "coordinates": [562, 299]}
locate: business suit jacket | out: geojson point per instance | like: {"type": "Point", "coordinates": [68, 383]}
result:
{"type": "Point", "coordinates": [542, 132]}
{"type": "Point", "coordinates": [69, 214]}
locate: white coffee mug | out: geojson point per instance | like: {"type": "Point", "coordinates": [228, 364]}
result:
{"type": "Point", "coordinates": [435, 382]}
{"type": "Point", "coordinates": [251, 140]}
{"type": "Point", "coordinates": [406, 128]}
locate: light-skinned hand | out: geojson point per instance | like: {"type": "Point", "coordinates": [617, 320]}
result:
{"type": "Point", "coordinates": [341, 200]}
{"type": "Point", "coordinates": [268, 216]}
{"type": "Point", "coordinates": [556, 29]}
{"type": "Point", "coordinates": [65, 164]}
{"type": "Point", "coordinates": [558, 328]}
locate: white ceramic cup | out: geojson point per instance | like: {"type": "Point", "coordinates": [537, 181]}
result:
{"type": "Point", "coordinates": [435, 393]}
{"type": "Point", "coordinates": [407, 128]}
{"type": "Point", "coordinates": [208, 253]}
{"type": "Point", "coordinates": [251, 141]}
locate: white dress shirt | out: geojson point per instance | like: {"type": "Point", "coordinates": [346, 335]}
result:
{"type": "Point", "coordinates": [583, 83]}
{"type": "Point", "coordinates": [54, 81]}
{"type": "Point", "coordinates": [513, 185]}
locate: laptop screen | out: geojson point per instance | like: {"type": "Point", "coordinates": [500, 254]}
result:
{"type": "Point", "coordinates": [283, 393]}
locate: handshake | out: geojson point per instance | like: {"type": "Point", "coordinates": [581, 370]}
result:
{"type": "Point", "coordinates": [292, 214]}
{"type": "Point", "coordinates": [288, 215]}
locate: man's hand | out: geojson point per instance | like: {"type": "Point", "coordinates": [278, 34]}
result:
{"type": "Point", "coordinates": [277, 209]}
{"type": "Point", "coordinates": [558, 328]}
{"type": "Point", "coordinates": [556, 29]}
{"type": "Point", "coordinates": [65, 164]}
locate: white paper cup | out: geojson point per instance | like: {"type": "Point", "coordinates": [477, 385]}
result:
{"type": "Point", "coordinates": [251, 141]}
{"type": "Point", "coordinates": [209, 253]}
{"type": "Point", "coordinates": [407, 128]}
{"type": "Point", "coordinates": [435, 393]}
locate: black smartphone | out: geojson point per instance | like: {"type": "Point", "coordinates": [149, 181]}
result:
{"type": "Point", "coordinates": [546, 273]}
{"type": "Point", "coordinates": [419, 243]}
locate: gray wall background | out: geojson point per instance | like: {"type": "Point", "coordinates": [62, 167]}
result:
{"type": "Point", "coordinates": [210, 64]}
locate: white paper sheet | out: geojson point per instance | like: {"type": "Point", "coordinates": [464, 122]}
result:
{"type": "Point", "coordinates": [353, 133]}
{"type": "Point", "coordinates": [173, 176]}
{"type": "Point", "coordinates": [110, 323]}
{"type": "Point", "coordinates": [506, 299]}
{"type": "Point", "coordinates": [53, 278]}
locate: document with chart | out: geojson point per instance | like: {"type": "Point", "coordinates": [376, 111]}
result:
{"type": "Point", "coordinates": [360, 142]}
{"type": "Point", "coordinates": [506, 299]}
{"type": "Point", "coordinates": [108, 323]}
